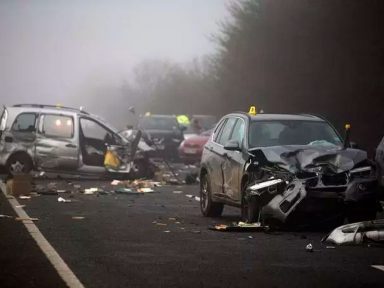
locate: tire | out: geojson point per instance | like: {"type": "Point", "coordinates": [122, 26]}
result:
{"type": "Point", "coordinates": [207, 206]}
{"type": "Point", "coordinates": [249, 206]}
{"type": "Point", "coordinates": [19, 163]}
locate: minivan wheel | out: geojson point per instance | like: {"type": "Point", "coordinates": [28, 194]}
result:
{"type": "Point", "coordinates": [19, 163]}
{"type": "Point", "coordinates": [207, 206]}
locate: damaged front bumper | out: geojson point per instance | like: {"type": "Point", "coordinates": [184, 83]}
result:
{"type": "Point", "coordinates": [310, 199]}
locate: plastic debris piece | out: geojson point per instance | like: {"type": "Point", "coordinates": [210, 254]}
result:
{"type": "Point", "coordinates": [239, 227]}
{"type": "Point", "coordinates": [115, 182]}
{"type": "Point", "coordinates": [24, 197]}
{"type": "Point", "coordinates": [78, 217]}
{"type": "Point", "coordinates": [145, 190]}
{"type": "Point", "coordinates": [309, 248]}
{"type": "Point", "coordinates": [62, 200]}
{"type": "Point", "coordinates": [189, 195]}
{"type": "Point", "coordinates": [90, 191]}
{"type": "Point", "coordinates": [357, 233]}
{"type": "Point", "coordinates": [20, 206]}
{"type": "Point", "coordinates": [167, 231]}
{"type": "Point", "coordinates": [197, 198]}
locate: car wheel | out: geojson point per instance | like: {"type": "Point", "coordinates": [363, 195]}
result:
{"type": "Point", "coordinates": [19, 163]}
{"type": "Point", "coordinates": [249, 206]}
{"type": "Point", "coordinates": [207, 206]}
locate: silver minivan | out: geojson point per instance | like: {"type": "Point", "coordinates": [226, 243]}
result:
{"type": "Point", "coordinates": [61, 140]}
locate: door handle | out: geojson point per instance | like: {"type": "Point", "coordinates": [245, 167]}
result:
{"type": "Point", "coordinates": [71, 146]}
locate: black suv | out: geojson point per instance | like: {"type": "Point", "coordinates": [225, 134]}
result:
{"type": "Point", "coordinates": [163, 132]}
{"type": "Point", "coordinates": [284, 169]}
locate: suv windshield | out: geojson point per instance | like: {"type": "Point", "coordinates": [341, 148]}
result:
{"type": "Point", "coordinates": [292, 132]}
{"type": "Point", "coordinates": [158, 123]}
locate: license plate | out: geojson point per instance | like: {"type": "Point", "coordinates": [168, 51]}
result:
{"type": "Point", "coordinates": [190, 151]}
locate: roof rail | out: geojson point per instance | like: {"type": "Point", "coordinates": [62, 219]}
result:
{"type": "Point", "coordinates": [241, 112]}
{"type": "Point", "coordinates": [51, 106]}
{"type": "Point", "coordinates": [314, 115]}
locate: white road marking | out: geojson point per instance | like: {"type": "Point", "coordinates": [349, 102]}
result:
{"type": "Point", "coordinates": [58, 263]}
{"type": "Point", "coordinates": [380, 267]}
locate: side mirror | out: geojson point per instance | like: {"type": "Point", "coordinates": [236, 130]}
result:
{"type": "Point", "coordinates": [232, 146]}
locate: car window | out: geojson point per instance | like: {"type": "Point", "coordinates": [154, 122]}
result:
{"type": "Point", "coordinates": [25, 122]}
{"type": "Point", "coordinates": [292, 132]}
{"type": "Point", "coordinates": [238, 131]}
{"type": "Point", "coordinates": [158, 123]}
{"type": "Point", "coordinates": [57, 126]}
{"type": "Point", "coordinates": [3, 120]}
{"type": "Point", "coordinates": [93, 130]}
{"type": "Point", "coordinates": [218, 129]}
{"type": "Point", "coordinates": [224, 137]}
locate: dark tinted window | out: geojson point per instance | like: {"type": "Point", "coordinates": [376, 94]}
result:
{"type": "Point", "coordinates": [158, 123]}
{"type": "Point", "coordinates": [226, 133]}
{"type": "Point", "coordinates": [25, 123]}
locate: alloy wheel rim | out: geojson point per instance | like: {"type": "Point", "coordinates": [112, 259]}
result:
{"type": "Point", "coordinates": [204, 194]}
{"type": "Point", "coordinates": [17, 167]}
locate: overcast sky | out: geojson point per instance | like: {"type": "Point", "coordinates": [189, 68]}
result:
{"type": "Point", "coordinates": [51, 49]}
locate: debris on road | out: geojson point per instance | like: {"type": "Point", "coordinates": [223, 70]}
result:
{"type": "Point", "coordinates": [20, 206]}
{"type": "Point", "coordinates": [78, 217]}
{"type": "Point", "coordinates": [115, 182]}
{"type": "Point", "coordinates": [309, 248]}
{"type": "Point", "coordinates": [62, 200]}
{"type": "Point", "coordinates": [358, 233]}
{"type": "Point", "coordinates": [23, 197]}
{"type": "Point", "coordinates": [239, 227]}
{"type": "Point", "coordinates": [19, 184]}
{"type": "Point", "coordinates": [90, 191]}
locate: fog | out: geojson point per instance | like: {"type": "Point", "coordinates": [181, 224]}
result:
{"type": "Point", "coordinates": [76, 52]}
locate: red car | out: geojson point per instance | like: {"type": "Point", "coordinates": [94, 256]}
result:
{"type": "Point", "coordinates": [191, 149]}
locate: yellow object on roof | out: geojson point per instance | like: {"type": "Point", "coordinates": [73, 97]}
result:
{"type": "Point", "coordinates": [252, 110]}
{"type": "Point", "coordinates": [183, 119]}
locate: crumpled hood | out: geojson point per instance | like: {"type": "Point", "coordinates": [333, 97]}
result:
{"type": "Point", "coordinates": [297, 158]}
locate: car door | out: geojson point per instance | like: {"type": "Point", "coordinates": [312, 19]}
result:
{"type": "Point", "coordinates": [220, 155]}
{"type": "Point", "coordinates": [56, 145]}
{"type": "Point", "coordinates": [97, 141]}
{"type": "Point", "coordinates": [211, 159]}
{"type": "Point", "coordinates": [233, 163]}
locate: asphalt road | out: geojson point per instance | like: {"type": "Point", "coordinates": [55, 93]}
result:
{"type": "Point", "coordinates": [161, 240]}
